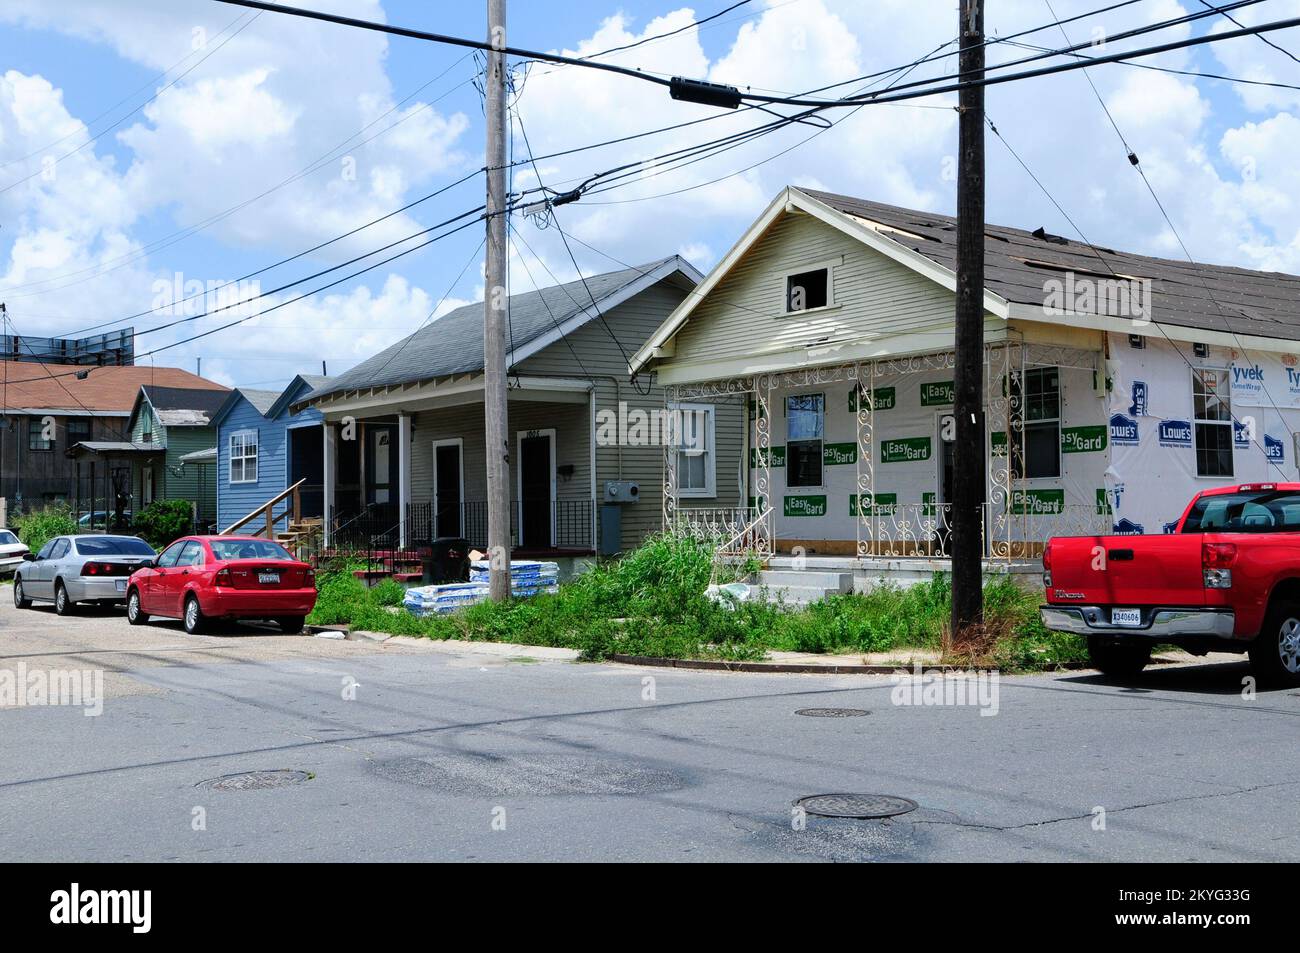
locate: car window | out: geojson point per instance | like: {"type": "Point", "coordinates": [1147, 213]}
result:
{"type": "Point", "coordinates": [168, 558]}
{"type": "Point", "coordinates": [61, 547]}
{"type": "Point", "coordinates": [113, 546]}
{"type": "Point", "coordinates": [46, 550]}
{"type": "Point", "coordinates": [248, 549]}
{"type": "Point", "coordinates": [7, 538]}
{"type": "Point", "coordinates": [191, 555]}
{"type": "Point", "coordinates": [1245, 511]}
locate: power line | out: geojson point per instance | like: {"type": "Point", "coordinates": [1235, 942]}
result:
{"type": "Point", "coordinates": [1263, 39]}
{"type": "Point", "coordinates": [127, 116]}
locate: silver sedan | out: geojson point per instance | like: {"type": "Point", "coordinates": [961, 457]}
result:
{"type": "Point", "coordinates": [73, 569]}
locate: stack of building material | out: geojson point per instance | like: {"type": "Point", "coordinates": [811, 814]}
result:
{"type": "Point", "coordinates": [527, 577]}
{"type": "Point", "coordinates": [442, 599]}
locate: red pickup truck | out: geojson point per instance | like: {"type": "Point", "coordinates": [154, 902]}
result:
{"type": "Point", "coordinates": [1227, 579]}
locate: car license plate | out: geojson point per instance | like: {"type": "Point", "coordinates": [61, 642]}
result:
{"type": "Point", "coordinates": [268, 578]}
{"type": "Point", "coordinates": [1125, 616]}
{"type": "Point", "coordinates": [121, 585]}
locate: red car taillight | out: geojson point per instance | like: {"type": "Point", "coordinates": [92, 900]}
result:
{"type": "Point", "coordinates": [1216, 564]}
{"type": "Point", "coordinates": [222, 577]}
{"type": "Point", "coordinates": [310, 578]}
{"type": "Point", "coordinates": [104, 569]}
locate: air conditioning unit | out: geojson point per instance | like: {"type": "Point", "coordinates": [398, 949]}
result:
{"type": "Point", "coordinates": [622, 491]}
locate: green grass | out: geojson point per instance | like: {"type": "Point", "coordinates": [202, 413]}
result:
{"type": "Point", "coordinates": [651, 602]}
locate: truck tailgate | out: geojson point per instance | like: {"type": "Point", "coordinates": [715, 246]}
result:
{"type": "Point", "coordinates": [1127, 571]}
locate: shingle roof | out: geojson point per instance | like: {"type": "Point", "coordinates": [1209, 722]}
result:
{"type": "Point", "coordinates": [105, 389]}
{"type": "Point", "coordinates": [453, 343]}
{"type": "Point", "coordinates": [186, 407]}
{"type": "Point", "coordinates": [1017, 263]}
{"type": "Point", "coordinates": [262, 400]}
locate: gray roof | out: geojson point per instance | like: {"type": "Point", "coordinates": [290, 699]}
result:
{"type": "Point", "coordinates": [262, 400]}
{"type": "Point", "coordinates": [1018, 262]}
{"type": "Point", "coordinates": [453, 343]}
{"type": "Point", "coordinates": [185, 406]}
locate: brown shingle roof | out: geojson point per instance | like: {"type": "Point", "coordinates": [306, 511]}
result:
{"type": "Point", "coordinates": [31, 387]}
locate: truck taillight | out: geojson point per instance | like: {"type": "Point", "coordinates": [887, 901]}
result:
{"type": "Point", "coordinates": [1047, 566]}
{"type": "Point", "coordinates": [1216, 564]}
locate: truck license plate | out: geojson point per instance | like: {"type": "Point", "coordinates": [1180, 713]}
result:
{"type": "Point", "coordinates": [1125, 616]}
{"type": "Point", "coordinates": [268, 578]}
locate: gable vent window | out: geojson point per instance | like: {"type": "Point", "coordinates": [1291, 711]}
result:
{"type": "Point", "coordinates": [807, 290]}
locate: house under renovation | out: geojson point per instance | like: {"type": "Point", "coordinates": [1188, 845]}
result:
{"type": "Point", "coordinates": [1116, 386]}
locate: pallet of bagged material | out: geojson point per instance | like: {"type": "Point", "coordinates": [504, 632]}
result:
{"type": "Point", "coordinates": [447, 597]}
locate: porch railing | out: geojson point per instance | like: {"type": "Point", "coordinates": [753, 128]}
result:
{"type": "Point", "coordinates": [265, 518]}
{"type": "Point", "coordinates": [379, 526]}
{"type": "Point", "coordinates": [902, 530]}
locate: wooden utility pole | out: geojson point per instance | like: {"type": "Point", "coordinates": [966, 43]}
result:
{"type": "Point", "coordinates": [495, 303]}
{"type": "Point", "coordinates": [968, 373]}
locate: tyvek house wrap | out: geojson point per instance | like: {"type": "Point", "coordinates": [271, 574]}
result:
{"type": "Point", "coordinates": [1153, 471]}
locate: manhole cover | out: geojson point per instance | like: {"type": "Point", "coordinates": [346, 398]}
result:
{"type": "Point", "coordinates": [833, 712]}
{"type": "Point", "coordinates": [254, 780]}
{"type": "Point", "coordinates": [856, 805]}
{"type": "Point", "coordinates": [491, 775]}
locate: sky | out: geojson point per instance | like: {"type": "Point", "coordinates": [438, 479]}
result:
{"type": "Point", "coordinates": [151, 150]}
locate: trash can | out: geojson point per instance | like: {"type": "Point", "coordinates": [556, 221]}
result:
{"type": "Point", "coordinates": [447, 560]}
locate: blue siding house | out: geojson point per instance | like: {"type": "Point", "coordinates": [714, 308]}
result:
{"type": "Point", "coordinates": [262, 449]}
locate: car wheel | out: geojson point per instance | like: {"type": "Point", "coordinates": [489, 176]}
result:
{"type": "Point", "coordinates": [62, 604]}
{"type": "Point", "coordinates": [1118, 660]}
{"type": "Point", "coordinates": [193, 618]}
{"type": "Point", "coordinates": [20, 600]}
{"type": "Point", "coordinates": [1275, 653]}
{"type": "Point", "coordinates": [134, 614]}
{"type": "Point", "coordinates": [290, 624]}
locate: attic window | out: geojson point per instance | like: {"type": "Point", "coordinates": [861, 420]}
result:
{"type": "Point", "coordinates": [809, 289]}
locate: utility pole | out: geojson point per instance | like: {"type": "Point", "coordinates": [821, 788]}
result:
{"type": "Point", "coordinates": [968, 371]}
{"type": "Point", "coordinates": [495, 302]}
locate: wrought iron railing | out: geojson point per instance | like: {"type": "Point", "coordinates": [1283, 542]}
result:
{"type": "Point", "coordinates": [378, 527]}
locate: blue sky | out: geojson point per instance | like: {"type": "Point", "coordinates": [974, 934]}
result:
{"type": "Point", "coordinates": [93, 236]}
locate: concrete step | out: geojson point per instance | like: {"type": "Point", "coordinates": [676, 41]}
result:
{"type": "Point", "coordinates": [828, 580]}
{"type": "Point", "coordinates": [795, 595]}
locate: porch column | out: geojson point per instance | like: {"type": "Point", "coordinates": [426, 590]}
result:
{"type": "Point", "coordinates": [403, 478]}
{"type": "Point", "coordinates": [328, 455]}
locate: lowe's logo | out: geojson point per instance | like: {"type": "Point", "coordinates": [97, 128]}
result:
{"type": "Point", "coordinates": [1139, 406]}
{"type": "Point", "coordinates": [1126, 527]}
{"type": "Point", "coordinates": [1240, 434]}
{"type": "Point", "coordinates": [1175, 433]}
{"type": "Point", "coordinates": [1273, 449]}
{"type": "Point", "coordinates": [1123, 430]}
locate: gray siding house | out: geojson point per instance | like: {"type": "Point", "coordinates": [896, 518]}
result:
{"type": "Point", "coordinates": [404, 436]}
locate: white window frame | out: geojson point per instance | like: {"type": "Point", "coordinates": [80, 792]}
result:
{"type": "Point", "coordinates": [1227, 398]}
{"type": "Point", "coordinates": [710, 488]}
{"type": "Point", "coordinates": [1025, 422]}
{"type": "Point", "coordinates": [243, 457]}
{"type": "Point", "coordinates": [785, 412]}
{"type": "Point", "coordinates": [830, 264]}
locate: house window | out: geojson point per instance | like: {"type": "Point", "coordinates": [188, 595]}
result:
{"type": "Point", "coordinates": [78, 430]}
{"type": "Point", "coordinates": [1212, 410]}
{"type": "Point", "coordinates": [36, 435]}
{"type": "Point", "coordinates": [806, 290]}
{"type": "Point", "coordinates": [243, 457]}
{"type": "Point", "coordinates": [805, 417]}
{"type": "Point", "coordinates": [695, 459]}
{"type": "Point", "coordinates": [1039, 442]}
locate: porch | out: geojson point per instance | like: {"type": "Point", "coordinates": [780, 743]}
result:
{"type": "Point", "coordinates": [852, 462]}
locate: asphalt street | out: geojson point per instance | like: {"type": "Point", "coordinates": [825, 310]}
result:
{"type": "Point", "coordinates": [410, 751]}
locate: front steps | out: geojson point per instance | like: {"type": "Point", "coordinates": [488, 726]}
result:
{"type": "Point", "coordinates": [801, 587]}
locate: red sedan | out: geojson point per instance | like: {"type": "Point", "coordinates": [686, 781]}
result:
{"type": "Point", "coordinates": [199, 578]}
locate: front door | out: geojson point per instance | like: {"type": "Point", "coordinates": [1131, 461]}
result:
{"type": "Point", "coordinates": [448, 487]}
{"type": "Point", "coordinates": [536, 487]}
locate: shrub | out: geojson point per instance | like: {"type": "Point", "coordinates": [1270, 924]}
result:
{"type": "Point", "coordinates": [162, 521]}
{"type": "Point", "coordinates": [38, 527]}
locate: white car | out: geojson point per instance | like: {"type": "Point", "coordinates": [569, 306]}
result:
{"type": "Point", "coordinates": [11, 552]}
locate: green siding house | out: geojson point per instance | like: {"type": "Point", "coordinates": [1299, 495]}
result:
{"type": "Point", "coordinates": [178, 422]}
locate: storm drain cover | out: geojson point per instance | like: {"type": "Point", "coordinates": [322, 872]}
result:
{"type": "Point", "coordinates": [856, 805]}
{"type": "Point", "coordinates": [255, 780]}
{"type": "Point", "coordinates": [487, 775]}
{"type": "Point", "coordinates": [833, 712]}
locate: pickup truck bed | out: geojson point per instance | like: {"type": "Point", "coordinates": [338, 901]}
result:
{"type": "Point", "coordinates": [1227, 580]}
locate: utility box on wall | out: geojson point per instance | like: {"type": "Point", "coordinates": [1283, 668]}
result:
{"type": "Point", "coordinates": [622, 491]}
{"type": "Point", "coordinates": [611, 529]}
